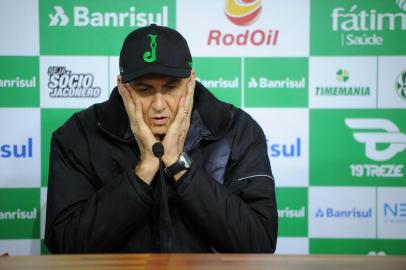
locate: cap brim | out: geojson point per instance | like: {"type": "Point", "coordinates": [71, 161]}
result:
{"type": "Point", "coordinates": [156, 69]}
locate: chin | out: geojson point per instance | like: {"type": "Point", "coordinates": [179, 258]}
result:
{"type": "Point", "coordinates": [159, 131]}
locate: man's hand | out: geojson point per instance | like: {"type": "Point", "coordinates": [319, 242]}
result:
{"type": "Point", "coordinates": [148, 164]}
{"type": "Point", "coordinates": [175, 137]}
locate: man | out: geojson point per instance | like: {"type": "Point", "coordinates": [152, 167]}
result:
{"type": "Point", "coordinates": [107, 190]}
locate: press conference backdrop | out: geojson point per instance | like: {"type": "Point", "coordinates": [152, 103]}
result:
{"type": "Point", "coordinates": [326, 80]}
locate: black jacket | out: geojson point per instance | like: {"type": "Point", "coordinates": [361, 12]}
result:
{"type": "Point", "coordinates": [224, 203]}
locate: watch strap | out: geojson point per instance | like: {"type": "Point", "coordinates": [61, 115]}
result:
{"type": "Point", "coordinates": [180, 165]}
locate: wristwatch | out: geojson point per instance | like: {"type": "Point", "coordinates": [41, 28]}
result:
{"type": "Point", "coordinates": [183, 163]}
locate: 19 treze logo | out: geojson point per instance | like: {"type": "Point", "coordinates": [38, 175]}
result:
{"type": "Point", "coordinates": [64, 83]}
{"type": "Point", "coordinates": [373, 132]}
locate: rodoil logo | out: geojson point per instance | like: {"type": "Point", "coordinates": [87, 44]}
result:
{"type": "Point", "coordinates": [243, 13]}
{"type": "Point", "coordinates": [394, 140]}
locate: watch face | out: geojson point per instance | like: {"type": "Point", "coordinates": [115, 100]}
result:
{"type": "Point", "coordinates": [186, 160]}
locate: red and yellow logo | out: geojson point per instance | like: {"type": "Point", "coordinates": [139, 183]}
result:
{"type": "Point", "coordinates": [243, 12]}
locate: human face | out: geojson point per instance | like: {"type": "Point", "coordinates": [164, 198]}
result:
{"type": "Point", "coordinates": [159, 97]}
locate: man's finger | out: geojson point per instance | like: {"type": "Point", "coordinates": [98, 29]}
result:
{"type": "Point", "coordinates": [127, 100]}
{"type": "Point", "coordinates": [180, 114]}
{"type": "Point", "coordinates": [190, 94]}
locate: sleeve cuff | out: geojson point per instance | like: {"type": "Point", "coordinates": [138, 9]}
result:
{"type": "Point", "coordinates": [140, 187]}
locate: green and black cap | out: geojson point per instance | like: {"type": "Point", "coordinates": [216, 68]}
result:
{"type": "Point", "coordinates": [155, 49]}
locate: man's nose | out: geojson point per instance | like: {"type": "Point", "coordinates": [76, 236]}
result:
{"type": "Point", "coordinates": [158, 103]}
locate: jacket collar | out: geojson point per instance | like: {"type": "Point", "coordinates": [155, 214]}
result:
{"type": "Point", "coordinates": [211, 116]}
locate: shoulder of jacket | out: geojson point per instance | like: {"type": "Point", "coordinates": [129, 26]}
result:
{"type": "Point", "coordinates": [76, 124]}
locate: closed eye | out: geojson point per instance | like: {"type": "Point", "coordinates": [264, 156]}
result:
{"type": "Point", "coordinates": [140, 87]}
{"type": "Point", "coordinates": [172, 84]}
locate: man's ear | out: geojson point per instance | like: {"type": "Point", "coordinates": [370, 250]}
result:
{"type": "Point", "coordinates": [118, 79]}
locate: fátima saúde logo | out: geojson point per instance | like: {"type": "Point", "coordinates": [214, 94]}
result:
{"type": "Point", "coordinates": [63, 83]}
{"type": "Point", "coordinates": [366, 134]}
{"type": "Point", "coordinates": [243, 12]}
{"type": "Point", "coordinates": [361, 26]}
{"type": "Point", "coordinates": [372, 27]}
{"type": "Point", "coordinates": [401, 4]}
{"type": "Point", "coordinates": [400, 86]}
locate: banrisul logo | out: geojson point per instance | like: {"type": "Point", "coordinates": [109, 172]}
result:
{"type": "Point", "coordinates": [291, 149]}
{"type": "Point", "coordinates": [288, 212]}
{"type": "Point", "coordinates": [332, 212]}
{"type": "Point", "coordinates": [280, 82]}
{"type": "Point", "coordinates": [373, 133]}
{"type": "Point", "coordinates": [343, 86]}
{"type": "Point", "coordinates": [19, 150]}
{"type": "Point", "coordinates": [287, 82]}
{"type": "Point", "coordinates": [19, 213]}
{"type": "Point", "coordinates": [221, 82]}
{"type": "Point", "coordinates": [360, 26]}
{"type": "Point", "coordinates": [77, 27]}
{"type": "Point", "coordinates": [59, 18]}
{"type": "Point", "coordinates": [292, 211]}
{"type": "Point", "coordinates": [82, 16]}
{"type": "Point", "coordinates": [64, 83]}
{"type": "Point", "coordinates": [400, 85]}
{"type": "Point", "coordinates": [18, 82]}
{"type": "Point", "coordinates": [243, 12]}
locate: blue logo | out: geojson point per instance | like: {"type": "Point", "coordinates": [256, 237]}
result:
{"type": "Point", "coordinates": [16, 150]}
{"type": "Point", "coordinates": [289, 150]}
{"type": "Point", "coordinates": [319, 213]}
{"type": "Point", "coordinates": [394, 212]}
{"type": "Point", "coordinates": [330, 212]}
{"type": "Point", "coordinates": [394, 209]}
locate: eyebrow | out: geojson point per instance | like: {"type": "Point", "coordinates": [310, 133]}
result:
{"type": "Point", "coordinates": [135, 83]}
{"type": "Point", "coordinates": [174, 80]}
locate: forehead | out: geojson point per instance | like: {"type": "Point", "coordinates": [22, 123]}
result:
{"type": "Point", "coordinates": [156, 78]}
